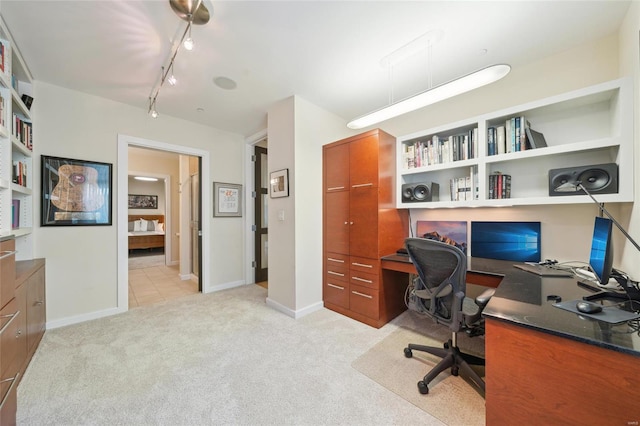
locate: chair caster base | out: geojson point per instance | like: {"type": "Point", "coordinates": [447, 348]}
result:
{"type": "Point", "coordinates": [408, 353]}
{"type": "Point", "coordinates": [423, 388]}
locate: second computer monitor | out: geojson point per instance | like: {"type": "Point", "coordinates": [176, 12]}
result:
{"type": "Point", "coordinates": [517, 241]}
{"type": "Point", "coordinates": [601, 256]}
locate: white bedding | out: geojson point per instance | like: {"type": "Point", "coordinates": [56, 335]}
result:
{"type": "Point", "coordinates": [140, 233]}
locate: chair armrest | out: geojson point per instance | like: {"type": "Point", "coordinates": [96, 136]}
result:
{"type": "Point", "coordinates": [483, 299]}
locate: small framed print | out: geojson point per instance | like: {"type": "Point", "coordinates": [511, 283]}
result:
{"type": "Point", "coordinates": [227, 199]}
{"type": "Point", "coordinates": [143, 201]}
{"type": "Point", "coordinates": [279, 183]}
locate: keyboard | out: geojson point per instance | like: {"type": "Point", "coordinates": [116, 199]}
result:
{"type": "Point", "coordinates": [542, 270]}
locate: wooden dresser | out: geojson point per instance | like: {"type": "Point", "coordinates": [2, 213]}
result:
{"type": "Point", "coordinates": [361, 224]}
{"type": "Point", "coordinates": [22, 322]}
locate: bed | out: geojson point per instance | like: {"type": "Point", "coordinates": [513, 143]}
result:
{"type": "Point", "coordinates": [152, 236]}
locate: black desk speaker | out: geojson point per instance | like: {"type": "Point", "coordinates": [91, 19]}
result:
{"type": "Point", "coordinates": [420, 192]}
{"type": "Point", "coordinates": [597, 179]}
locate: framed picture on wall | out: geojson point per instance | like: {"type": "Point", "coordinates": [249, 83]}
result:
{"type": "Point", "coordinates": [143, 201]}
{"type": "Point", "coordinates": [75, 192]}
{"type": "Point", "coordinates": [227, 199]}
{"type": "Point", "coordinates": [279, 183]}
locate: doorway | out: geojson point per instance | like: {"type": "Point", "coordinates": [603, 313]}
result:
{"type": "Point", "coordinates": [182, 219]}
{"type": "Point", "coordinates": [261, 185]}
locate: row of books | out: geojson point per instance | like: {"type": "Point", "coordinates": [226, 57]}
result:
{"type": "Point", "coordinates": [464, 188]}
{"type": "Point", "coordinates": [439, 150]}
{"type": "Point", "coordinates": [20, 173]}
{"type": "Point", "coordinates": [512, 137]}
{"type": "Point", "coordinates": [3, 108]}
{"type": "Point", "coordinates": [23, 131]}
{"type": "Point", "coordinates": [4, 50]}
{"type": "Point", "coordinates": [499, 186]}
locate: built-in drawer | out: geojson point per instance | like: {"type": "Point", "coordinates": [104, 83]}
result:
{"type": "Point", "coordinates": [363, 279]}
{"type": "Point", "coordinates": [336, 292]}
{"type": "Point", "coordinates": [9, 401]}
{"type": "Point", "coordinates": [364, 264]}
{"type": "Point", "coordinates": [364, 301]}
{"type": "Point", "coordinates": [9, 344]}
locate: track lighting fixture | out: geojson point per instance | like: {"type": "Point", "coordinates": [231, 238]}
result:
{"type": "Point", "coordinates": [194, 13]}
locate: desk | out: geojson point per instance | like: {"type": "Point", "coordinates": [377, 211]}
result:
{"type": "Point", "coordinates": [545, 365]}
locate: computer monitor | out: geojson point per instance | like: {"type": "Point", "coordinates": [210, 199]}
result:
{"type": "Point", "coordinates": [601, 257]}
{"type": "Point", "coordinates": [517, 241]}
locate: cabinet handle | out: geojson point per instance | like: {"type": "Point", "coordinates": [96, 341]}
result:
{"type": "Point", "coordinates": [362, 264]}
{"type": "Point", "coordinates": [362, 294]}
{"type": "Point", "coordinates": [335, 188]}
{"type": "Point", "coordinates": [38, 303]}
{"type": "Point", "coordinates": [362, 279]}
{"type": "Point", "coordinates": [346, 223]}
{"type": "Point", "coordinates": [18, 334]}
{"type": "Point", "coordinates": [350, 223]}
{"type": "Point", "coordinates": [335, 286]}
{"type": "Point", "coordinates": [12, 316]}
{"type": "Point", "coordinates": [361, 185]}
{"type": "Point", "coordinates": [13, 381]}
{"type": "Point", "coordinates": [335, 260]}
{"type": "Point", "coordinates": [335, 273]}
{"type": "Point", "coordinates": [8, 253]}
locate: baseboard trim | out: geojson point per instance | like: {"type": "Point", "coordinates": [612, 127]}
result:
{"type": "Point", "coordinates": [294, 313]}
{"type": "Point", "coordinates": [84, 317]}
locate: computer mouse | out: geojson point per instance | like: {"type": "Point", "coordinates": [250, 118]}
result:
{"type": "Point", "coordinates": [588, 307]}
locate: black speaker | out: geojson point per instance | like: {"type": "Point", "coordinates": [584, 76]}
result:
{"type": "Point", "coordinates": [597, 179]}
{"type": "Point", "coordinates": [420, 192]}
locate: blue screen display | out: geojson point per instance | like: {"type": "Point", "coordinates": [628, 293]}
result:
{"type": "Point", "coordinates": [599, 258]}
{"type": "Point", "coordinates": [517, 241]}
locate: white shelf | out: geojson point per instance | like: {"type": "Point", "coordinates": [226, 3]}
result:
{"type": "Point", "coordinates": [585, 127]}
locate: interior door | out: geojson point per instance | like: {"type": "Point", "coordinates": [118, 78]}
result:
{"type": "Point", "coordinates": [195, 224]}
{"type": "Point", "coordinates": [261, 226]}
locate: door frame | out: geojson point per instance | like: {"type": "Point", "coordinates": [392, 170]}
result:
{"type": "Point", "coordinates": [249, 275]}
{"type": "Point", "coordinates": [124, 141]}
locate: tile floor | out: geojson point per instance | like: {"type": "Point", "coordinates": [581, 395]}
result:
{"type": "Point", "coordinates": [157, 283]}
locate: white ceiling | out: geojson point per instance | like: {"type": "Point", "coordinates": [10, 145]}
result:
{"type": "Point", "coordinates": [329, 53]}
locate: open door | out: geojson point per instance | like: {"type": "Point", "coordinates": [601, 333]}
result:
{"type": "Point", "coordinates": [261, 215]}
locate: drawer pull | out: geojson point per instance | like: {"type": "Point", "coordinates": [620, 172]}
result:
{"type": "Point", "coordinates": [331, 259]}
{"type": "Point", "coordinates": [7, 253]}
{"type": "Point", "coordinates": [12, 316]}
{"type": "Point", "coordinates": [335, 273]}
{"type": "Point", "coordinates": [38, 303]}
{"type": "Point", "coordinates": [361, 185]}
{"type": "Point", "coordinates": [335, 188]}
{"type": "Point", "coordinates": [335, 286]}
{"type": "Point", "coordinates": [13, 381]}
{"type": "Point", "coordinates": [362, 279]}
{"type": "Point", "coordinates": [362, 265]}
{"type": "Point", "coordinates": [362, 294]}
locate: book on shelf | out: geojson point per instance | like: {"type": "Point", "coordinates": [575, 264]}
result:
{"type": "Point", "coordinates": [28, 100]}
{"type": "Point", "coordinates": [22, 130]}
{"type": "Point", "coordinates": [499, 186]}
{"type": "Point", "coordinates": [15, 214]}
{"type": "Point", "coordinates": [20, 173]}
{"type": "Point", "coordinates": [464, 188]}
{"type": "Point", "coordinates": [441, 150]}
{"type": "Point", "coordinates": [2, 55]}
{"type": "Point", "coordinates": [535, 139]}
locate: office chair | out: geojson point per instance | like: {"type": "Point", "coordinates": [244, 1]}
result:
{"type": "Point", "coordinates": [439, 292]}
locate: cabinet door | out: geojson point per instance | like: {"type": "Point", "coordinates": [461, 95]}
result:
{"type": "Point", "coordinates": [336, 168]}
{"type": "Point", "coordinates": [336, 226]}
{"type": "Point", "coordinates": [363, 162]}
{"type": "Point", "coordinates": [7, 271]}
{"type": "Point", "coordinates": [363, 229]}
{"type": "Point", "coordinates": [36, 309]}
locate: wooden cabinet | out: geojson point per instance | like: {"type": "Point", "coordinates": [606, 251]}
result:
{"type": "Point", "coordinates": [22, 324]}
{"type": "Point", "coordinates": [361, 224]}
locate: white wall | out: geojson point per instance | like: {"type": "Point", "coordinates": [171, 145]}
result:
{"type": "Point", "coordinates": [82, 260]}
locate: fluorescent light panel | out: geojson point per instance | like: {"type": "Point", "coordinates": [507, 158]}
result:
{"type": "Point", "coordinates": [439, 93]}
{"type": "Point", "coordinates": [145, 178]}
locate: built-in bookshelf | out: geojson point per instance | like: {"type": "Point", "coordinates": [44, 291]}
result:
{"type": "Point", "coordinates": [590, 126]}
{"type": "Point", "coordinates": [16, 146]}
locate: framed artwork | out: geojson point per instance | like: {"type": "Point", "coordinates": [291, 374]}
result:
{"type": "Point", "coordinates": [143, 201]}
{"type": "Point", "coordinates": [75, 192]}
{"type": "Point", "coordinates": [227, 199]}
{"type": "Point", "coordinates": [279, 183]}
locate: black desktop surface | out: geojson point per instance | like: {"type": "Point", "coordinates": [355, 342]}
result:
{"type": "Point", "coordinates": [526, 300]}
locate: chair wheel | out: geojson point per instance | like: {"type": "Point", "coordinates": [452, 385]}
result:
{"type": "Point", "coordinates": [454, 371]}
{"type": "Point", "coordinates": [408, 353]}
{"type": "Point", "coordinates": [446, 345]}
{"type": "Point", "coordinates": [423, 388]}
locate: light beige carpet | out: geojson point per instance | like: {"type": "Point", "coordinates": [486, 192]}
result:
{"type": "Point", "coordinates": [451, 399]}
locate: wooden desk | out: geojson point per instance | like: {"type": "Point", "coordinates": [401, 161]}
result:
{"type": "Point", "coordinates": [545, 365]}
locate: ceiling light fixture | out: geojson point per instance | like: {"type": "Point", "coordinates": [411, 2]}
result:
{"type": "Point", "coordinates": [194, 13]}
{"type": "Point", "coordinates": [145, 178]}
{"type": "Point", "coordinates": [439, 93]}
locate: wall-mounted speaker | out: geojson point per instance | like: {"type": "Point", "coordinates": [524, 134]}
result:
{"type": "Point", "coordinates": [420, 192]}
{"type": "Point", "coordinates": [597, 179]}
